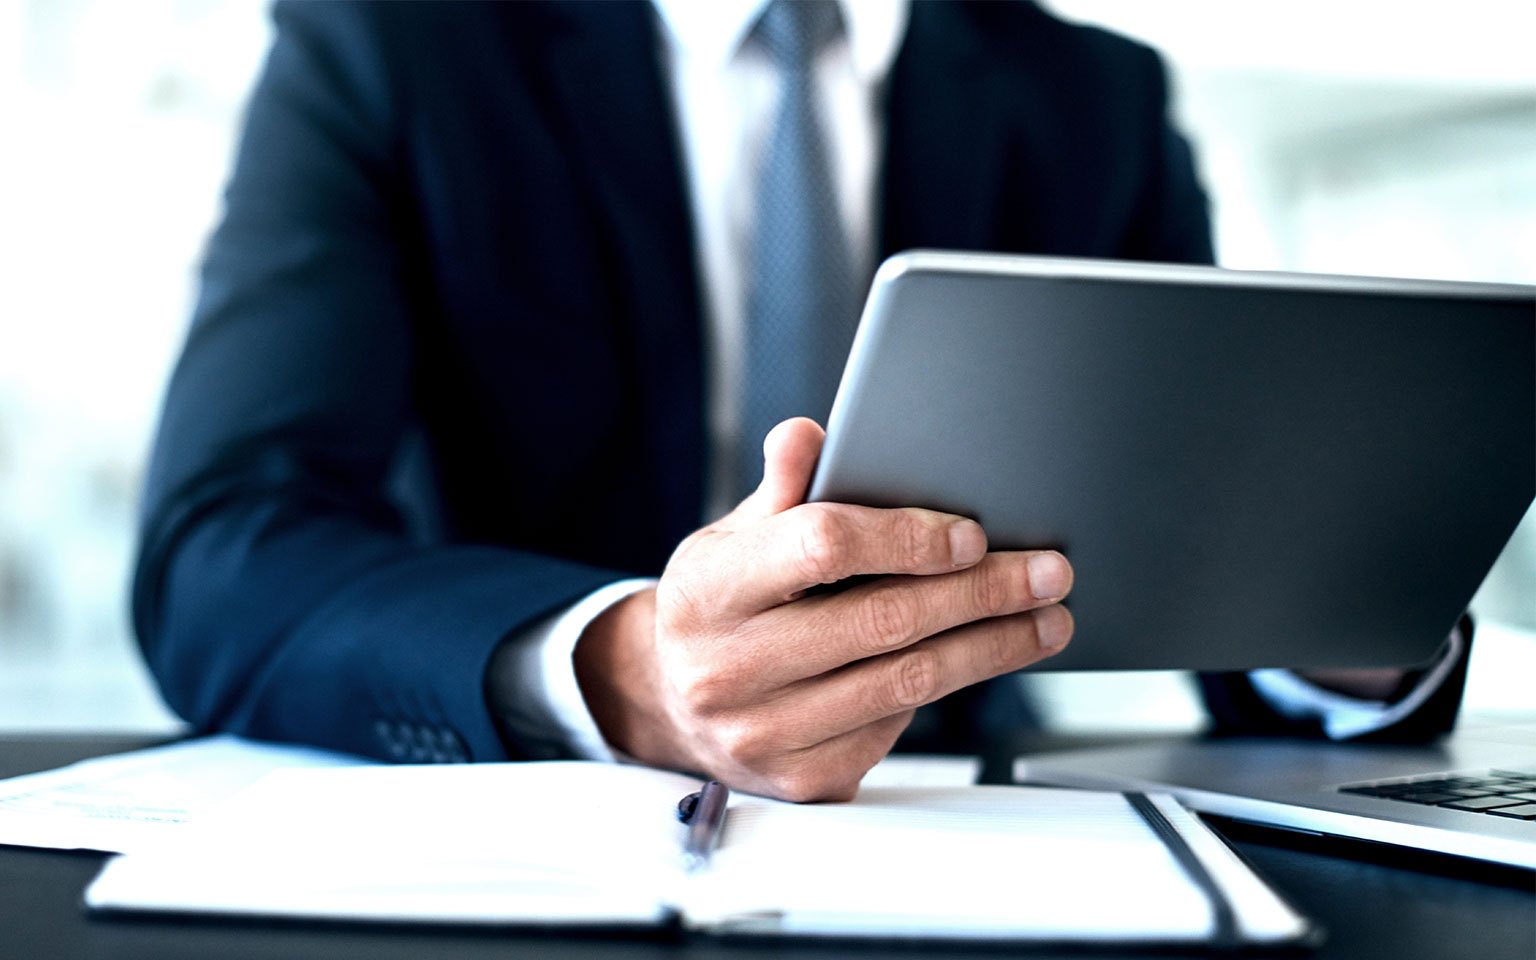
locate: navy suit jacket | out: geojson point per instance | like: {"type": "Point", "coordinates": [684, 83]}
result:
{"type": "Point", "coordinates": [446, 372]}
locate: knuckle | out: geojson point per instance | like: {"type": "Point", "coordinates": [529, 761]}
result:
{"type": "Point", "coordinates": [796, 787]}
{"type": "Point", "coordinates": [991, 591]}
{"type": "Point", "coordinates": [693, 550]}
{"type": "Point", "coordinates": [1003, 649]}
{"type": "Point", "coordinates": [824, 538]}
{"type": "Point", "coordinates": [676, 598]}
{"type": "Point", "coordinates": [886, 620]}
{"type": "Point", "coordinates": [807, 784]}
{"type": "Point", "coordinates": [702, 690]}
{"type": "Point", "coordinates": [914, 679]}
{"type": "Point", "coordinates": [746, 743]}
{"type": "Point", "coordinates": [684, 590]}
{"type": "Point", "coordinates": [692, 543]}
{"type": "Point", "coordinates": [914, 542]}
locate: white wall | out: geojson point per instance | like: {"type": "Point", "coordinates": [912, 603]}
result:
{"type": "Point", "coordinates": [117, 122]}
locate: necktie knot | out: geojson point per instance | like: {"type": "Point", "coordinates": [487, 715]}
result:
{"type": "Point", "coordinates": [794, 31]}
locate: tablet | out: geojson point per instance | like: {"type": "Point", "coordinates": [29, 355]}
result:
{"type": "Point", "coordinates": [1245, 469]}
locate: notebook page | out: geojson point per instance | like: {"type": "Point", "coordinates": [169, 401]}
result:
{"type": "Point", "coordinates": [544, 842]}
{"type": "Point", "coordinates": [982, 862]}
{"type": "Point", "coordinates": [923, 770]}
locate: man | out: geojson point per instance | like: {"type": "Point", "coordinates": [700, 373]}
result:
{"type": "Point", "coordinates": [482, 338]}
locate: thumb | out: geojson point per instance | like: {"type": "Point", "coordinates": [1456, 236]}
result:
{"type": "Point", "coordinates": [789, 458]}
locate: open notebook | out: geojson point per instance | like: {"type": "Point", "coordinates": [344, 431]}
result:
{"type": "Point", "coordinates": [562, 844]}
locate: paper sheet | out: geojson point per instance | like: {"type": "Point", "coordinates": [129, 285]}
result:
{"type": "Point", "coordinates": [977, 862]}
{"type": "Point", "coordinates": [123, 802]}
{"type": "Point", "coordinates": [129, 801]}
{"type": "Point", "coordinates": [567, 843]}
{"type": "Point", "coordinates": [923, 770]}
{"type": "Point", "coordinates": [574, 843]}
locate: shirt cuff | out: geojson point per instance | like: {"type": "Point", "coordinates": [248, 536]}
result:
{"type": "Point", "coordinates": [533, 682]}
{"type": "Point", "coordinates": [1344, 716]}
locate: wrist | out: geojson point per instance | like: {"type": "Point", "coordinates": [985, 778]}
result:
{"type": "Point", "coordinates": [620, 679]}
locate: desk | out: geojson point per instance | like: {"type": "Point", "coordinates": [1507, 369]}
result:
{"type": "Point", "coordinates": [1401, 911]}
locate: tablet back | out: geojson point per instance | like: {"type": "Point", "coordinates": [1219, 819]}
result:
{"type": "Point", "coordinates": [1245, 469]}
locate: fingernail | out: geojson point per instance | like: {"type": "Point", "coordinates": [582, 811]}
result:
{"type": "Point", "coordinates": [1049, 576]}
{"type": "Point", "coordinates": [1053, 625]}
{"type": "Point", "coordinates": [967, 543]}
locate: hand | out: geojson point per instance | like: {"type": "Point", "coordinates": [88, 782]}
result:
{"type": "Point", "coordinates": [730, 668]}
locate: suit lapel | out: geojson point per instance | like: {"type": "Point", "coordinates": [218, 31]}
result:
{"type": "Point", "coordinates": [608, 84]}
{"type": "Point", "coordinates": [945, 137]}
{"type": "Point", "coordinates": [944, 163]}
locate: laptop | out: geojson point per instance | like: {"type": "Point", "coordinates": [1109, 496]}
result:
{"type": "Point", "coordinates": [1245, 469]}
{"type": "Point", "coordinates": [1471, 794]}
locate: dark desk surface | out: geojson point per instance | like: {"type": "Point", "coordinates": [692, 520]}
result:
{"type": "Point", "coordinates": [1373, 904]}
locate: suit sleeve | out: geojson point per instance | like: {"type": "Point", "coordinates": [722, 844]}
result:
{"type": "Point", "coordinates": [1239, 708]}
{"type": "Point", "coordinates": [1172, 224]}
{"type": "Point", "coordinates": [279, 590]}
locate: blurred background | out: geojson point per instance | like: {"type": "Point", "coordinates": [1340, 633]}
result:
{"type": "Point", "coordinates": [1388, 138]}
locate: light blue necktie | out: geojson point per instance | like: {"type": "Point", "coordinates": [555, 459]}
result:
{"type": "Point", "coordinates": [802, 304]}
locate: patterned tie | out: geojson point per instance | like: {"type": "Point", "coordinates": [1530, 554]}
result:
{"type": "Point", "coordinates": [802, 304]}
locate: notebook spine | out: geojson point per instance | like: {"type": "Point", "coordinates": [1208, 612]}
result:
{"type": "Point", "coordinates": [1226, 934]}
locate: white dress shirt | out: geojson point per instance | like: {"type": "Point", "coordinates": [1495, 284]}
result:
{"type": "Point", "coordinates": [725, 91]}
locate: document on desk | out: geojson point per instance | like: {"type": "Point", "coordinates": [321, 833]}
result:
{"type": "Point", "coordinates": [127, 801]}
{"type": "Point", "coordinates": [580, 844]}
{"type": "Point", "coordinates": [131, 800]}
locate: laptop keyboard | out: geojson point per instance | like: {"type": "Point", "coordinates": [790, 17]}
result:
{"type": "Point", "coordinates": [1500, 793]}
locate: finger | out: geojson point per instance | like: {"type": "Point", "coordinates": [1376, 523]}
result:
{"type": "Point", "coordinates": [864, 692]}
{"type": "Point", "coordinates": [895, 612]}
{"type": "Point", "coordinates": [777, 560]}
{"type": "Point", "coordinates": [833, 768]}
{"type": "Point", "coordinates": [789, 459]}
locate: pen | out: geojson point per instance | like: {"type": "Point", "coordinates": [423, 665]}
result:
{"type": "Point", "coordinates": [704, 812]}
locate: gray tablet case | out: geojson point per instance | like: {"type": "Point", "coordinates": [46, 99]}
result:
{"type": "Point", "coordinates": [1246, 469]}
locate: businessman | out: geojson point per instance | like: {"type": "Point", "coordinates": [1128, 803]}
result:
{"type": "Point", "coordinates": [488, 438]}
